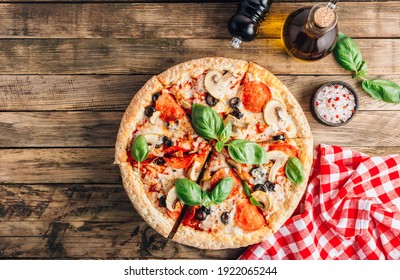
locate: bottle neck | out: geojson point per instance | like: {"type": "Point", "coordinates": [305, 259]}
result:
{"type": "Point", "coordinates": [321, 19]}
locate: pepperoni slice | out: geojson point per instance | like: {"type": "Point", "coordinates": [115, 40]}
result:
{"type": "Point", "coordinates": [284, 147]}
{"type": "Point", "coordinates": [221, 174]}
{"type": "Point", "coordinates": [173, 149]}
{"type": "Point", "coordinates": [255, 95]}
{"type": "Point", "coordinates": [169, 108]}
{"type": "Point", "coordinates": [248, 216]}
{"type": "Point", "coordinates": [180, 162]}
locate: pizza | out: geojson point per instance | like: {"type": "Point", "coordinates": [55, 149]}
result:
{"type": "Point", "coordinates": [214, 153]}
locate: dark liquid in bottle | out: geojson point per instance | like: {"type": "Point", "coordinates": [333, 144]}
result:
{"type": "Point", "coordinates": [303, 44]}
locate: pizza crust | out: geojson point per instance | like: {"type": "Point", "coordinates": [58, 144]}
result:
{"type": "Point", "coordinates": [182, 72]}
{"type": "Point", "coordinates": [135, 190]}
{"type": "Point", "coordinates": [284, 95]}
{"type": "Point", "coordinates": [133, 114]}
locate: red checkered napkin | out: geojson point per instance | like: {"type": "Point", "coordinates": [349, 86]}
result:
{"type": "Point", "coordinates": [352, 211]}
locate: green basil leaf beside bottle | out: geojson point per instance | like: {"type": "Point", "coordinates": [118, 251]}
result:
{"type": "Point", "coordinates": [294, 170]}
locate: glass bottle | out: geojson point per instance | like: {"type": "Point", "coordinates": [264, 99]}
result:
{"type": "Point", "coordinates": [310, 33]}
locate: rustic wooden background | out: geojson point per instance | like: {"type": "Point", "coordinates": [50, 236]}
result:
{"type": "Point", "coordinates": [68, 71]}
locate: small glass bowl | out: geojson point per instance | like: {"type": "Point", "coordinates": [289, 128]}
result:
{"type": "Point", "coordinates": [314, 110]}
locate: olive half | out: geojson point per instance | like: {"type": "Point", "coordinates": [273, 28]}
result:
{"type": "Point", "coordinates": [211, 100]}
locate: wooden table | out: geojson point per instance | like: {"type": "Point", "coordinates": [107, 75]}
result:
{"type": "Point", "coordinates": [68, 71]}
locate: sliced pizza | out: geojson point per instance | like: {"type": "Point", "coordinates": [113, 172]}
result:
{"type": "Point", "coordinates": [264, 109]}
{"type": "Point", "coordinates": [156, 145]}
{"type": "Point", "coordinates": [277, 185]}
{"type": "Point", "coordinates": [208, 81]}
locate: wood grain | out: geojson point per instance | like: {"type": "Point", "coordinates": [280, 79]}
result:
{"type": "Point", "coordinates": [82, 221]}
{"type": "Point", "coordinates": [163, 20]}
{"type": "Point", "coordinates": [151, 56]}
{"type": "Point", "coordinates": [58, 129]}
{"type": "Point", "coordinates": [94, 129]}
{"type": "Point", "coordinates": [114, 92]}
{"type": "Point", "coordinates": [58, 165]}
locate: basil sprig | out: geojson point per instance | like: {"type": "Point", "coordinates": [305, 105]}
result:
{"type": "Point", "coordinates": [191, 193]}
{"type": "Point", "coordinates": [247, 152]}
{"type": "Point", "coordinates": [140, 149]}
{"type": "Point", "coordinates": [247, 191]}
{"type": "Point", "coordinates": [294, 170]}
{"type": "Point", "coordinates": [384, 90]}
{"type": "Point", "coordinates": [348, 55]}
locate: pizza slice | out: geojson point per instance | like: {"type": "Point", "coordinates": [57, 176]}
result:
{"type": "Point", "coordinates": [265, 110]}
{"type": "Point", "coordinates": [233, 222]}
{"type": "Point", "coordinates": [277, 186]}
{"type": "Point", "coordinates": [207, 81]}
{"type": "Point", "coordinates": [156, 145]}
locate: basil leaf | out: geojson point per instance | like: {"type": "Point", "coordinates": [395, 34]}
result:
{"type": "Point", "coordinates": [140, 150]}
{"type": "Point", "coordinates": [206, 122]}
{"type": "Point", "coordinates": [255, 202]}
{"type": "Point", "coordinates": [294, 170]}
{"type": "Point", "coordinates": [222, 190]}
{"type": "Point", "coordinates": [347, 54]}
{"type": "Point", "coordinates": [362, 72]}
{"type": "Point", "coordinates": [206, 199]}
{"type": "Point", "coordinates": [247, 152]}
{"type": "Point", "coordinates": [219, 146]}
{"type": "Point", "coordinates": [226, 133]}
{"type": "Point", "coordinates": [246, 189]}
{"type": "Point", "coordinates": [384, 90]}
{"type": "Point", "coordinates": [189, 192]}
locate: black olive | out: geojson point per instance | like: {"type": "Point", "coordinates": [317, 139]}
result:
{"type": "Point", "coordinates": [149, 111]}
{"type": "Point", "coordinates": [167, 142]}
{"type": "Point", "coordinates": [259, 187]}
{"type": "Point", "coordinates": [225, 218]}
{"type": "Point", "coordinates": [279, 137]}
{"type": "Point", "coordinates": [211, 100]}
{"type": "Point", "coordinates": [237, 114]}
{"type": "Point", "coordinates": [234, 102]}
{"type": "Point", "coordinates": [201, 213]}
{"type": "Point", "coordinates": [155, 97]}
{"type": "Point", "coordinates": [269, 186]}
{"type": "Point", "coordinates": [159, 161]}
{"type": "Point", "coordinates": [257, 173]}
{"type": "Point", "coordinates": [162, 201]}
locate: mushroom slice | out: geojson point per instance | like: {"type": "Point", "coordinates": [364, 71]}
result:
{"type": "Point", "coordinates": [206, 175]}
{"type": "Point", "coordinates": [194, 171]}
{"type": "Point", "coordinates": [275, 112]}
{"type": "Point", "coordinates": [280, 159]}
{"type": "Point", "coordinates": [172, 200]}
{"type": "Point", "coordinates": [212, 83]}
{"type": "Point", "coordinates": [155, 117]}
{"type": "Point", "coordinates": [263, 199]}
{"type": "Point", "coordinates": [186, 104]}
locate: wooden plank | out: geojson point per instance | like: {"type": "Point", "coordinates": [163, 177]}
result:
{"type": "Point", "coordinates": [106, 93]}
{"type": "Point", "coordinates": [183, 20]}
{"type": "Point", "coordinates": [58, 165]}
{"type": "Point", "coordinates": [151, 56]}
{"type": "Point", "coordinates": [58, 129]}
{"type": "Point", "coordinates": [94, 129]}
{"type": "Point", "coordinates": [169, 1]}
{"type": "Point", "coordinates": [82, 221]}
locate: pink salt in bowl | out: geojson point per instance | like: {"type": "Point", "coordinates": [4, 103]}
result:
{"type": "Point", "coordinates": [334, 103]}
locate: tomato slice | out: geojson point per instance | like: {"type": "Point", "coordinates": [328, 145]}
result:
{"type": "Point", "coordinates": [221, 174]}
{"type": "Point", "coordinates": [248, 216]}
{"type": "Point", "coordinates": [284, 147]}
{"type": "Point", "coordinates": [169, 108]}
{"type": "Point", "coordinates": [180, 162]}
{"type": "Point", "coordinates": [173, 149]}
{"type": "Point", "coordinates": [255, 95]}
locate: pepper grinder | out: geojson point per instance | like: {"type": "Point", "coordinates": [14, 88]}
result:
{"type": "Point", "coordinates": [244, 24]}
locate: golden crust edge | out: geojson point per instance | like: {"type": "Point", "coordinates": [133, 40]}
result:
{"type": "Point", "coordinates": [193, 68]}
{"type": "Point", "coordinates": [286, 97]}
{"type": "Point", "coordinates": [133, 113]}
{"type": "Point", "coordinates": [134, 188]}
